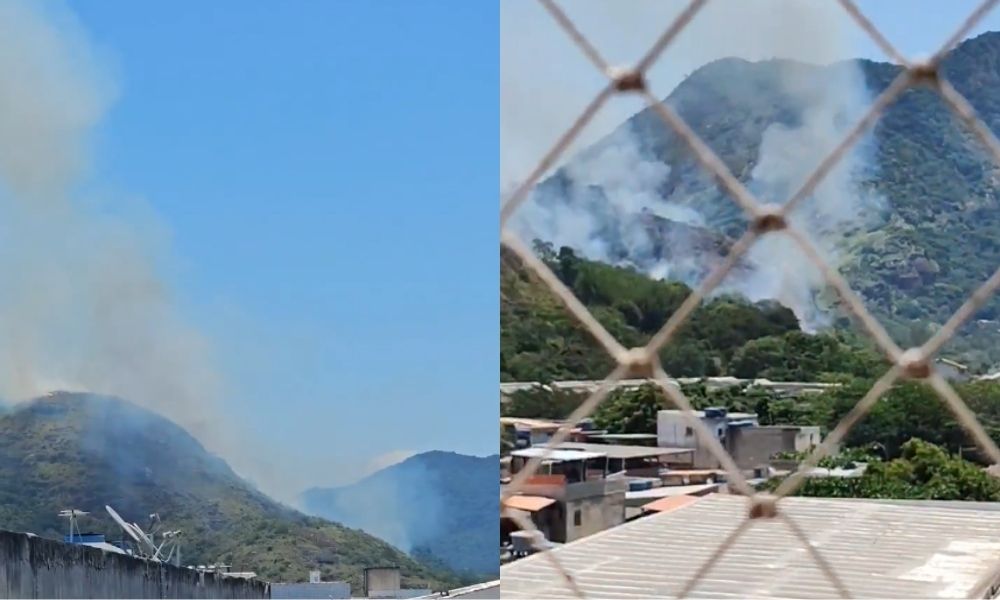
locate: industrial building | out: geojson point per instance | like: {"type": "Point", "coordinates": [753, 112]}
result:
{"type": "Point", "coordinates": [876, 549]}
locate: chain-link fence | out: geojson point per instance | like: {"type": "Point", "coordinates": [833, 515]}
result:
{"type": "Point", "coordinates": [913, 363]}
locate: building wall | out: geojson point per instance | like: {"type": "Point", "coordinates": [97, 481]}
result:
{"type": "Point", "coordinates": [382, 582]}
{"type": "Point", "coordinates": [754, 446]}
{"type": "Point", "coordinates": [807, 438]}
{"type": "Point", "coordinates": [596, 513]}
{"type": "Point", "coordinates": [33, 567]}
{"type": "Point", "coordinates": [308, 591]}
{"type": "Point", "coordinates": [674, 431]}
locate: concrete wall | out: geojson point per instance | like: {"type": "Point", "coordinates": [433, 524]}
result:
{"type": "Point", "coordinates": [304, 591]}
{"type": "Point", "coordinates": [754, 446]}
{"type": "Point", "coordinates": [382, 582]}
{"type": "Point", "coordinates": [597, 513]}
{"type": "Point", "coordinates": [808, 438]}
{"type": "Point", "coordinates": [33, 567]}
{"type": "Point", "coordinates": [674, 431]}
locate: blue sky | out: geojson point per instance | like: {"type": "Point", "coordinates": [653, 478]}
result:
{"type": "Point", "coordinates": [534, 112]}
{"type": "Point", "coordinates": [328, 173]}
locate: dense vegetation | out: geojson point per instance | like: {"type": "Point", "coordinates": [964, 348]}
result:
{"type": "Point", "coordinates": [84, 451]}
{"type": "Point", "coordinates": [913, 445]}
{"type": "Point", "coordinates": [933, 239]}
{"type": "Point", "coordinates": [908, 410]}
{"type": "Point", "coordinates": [923, 471]}
{"type": "Point", "coordinates": [441, 506]}
{"type": "Point", "coordinates": [539, 341]}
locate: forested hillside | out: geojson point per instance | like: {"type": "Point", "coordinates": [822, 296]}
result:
{"type": "Point", "coordinates": [922, 196]}
{"type": "Point", "coordinates": [539, 341]}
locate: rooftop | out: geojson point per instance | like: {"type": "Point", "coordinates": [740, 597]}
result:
{"type": "Point", "coordinates": [701, 414]}
{"type": "Point", "coordinates": [530, 423]}
{"type": "Point", "coordinates": [951, 363]}
{"type": "Point", "coordinates": [623, 436]}
{"type": "Point", "coordinates": [619, 451]}
{"type": "Point", "coordinates": [557, 455]}
{"type": "Point", "coordinates": [489, 589]}
{"type": "Point", "coordinates": [877, 549]}
{"type": "Point", "coordinates": [670, 503]}
{"type": "Point", "coordinates": [527, 503]}
{"type": "Point", "coordinates": [671, 491]}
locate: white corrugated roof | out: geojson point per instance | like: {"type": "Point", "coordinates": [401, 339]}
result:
{"type": "Point", "coordinates": [557, 454]}
{"type": "Point", "coordinates": [105, 546]}
{"type": "Point", "coordinates": [620, 450]}
{"type": "Point", "coordinates": [879, 550]}
{"type": "Point", "coordinates": [666, 491]}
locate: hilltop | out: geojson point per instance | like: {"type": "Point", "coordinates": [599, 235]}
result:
{"type": "Point", "coordinates": [84, 451]}
{"type": "Point", "coordinates": [442, 506]}
{"type": "Point", "coordinates": [931, 227]}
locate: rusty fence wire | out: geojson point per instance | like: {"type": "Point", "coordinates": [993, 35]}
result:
{"type": "Point", "coordinates": [765, 219]}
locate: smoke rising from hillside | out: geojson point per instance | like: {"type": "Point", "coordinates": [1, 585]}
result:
{"type": "Point", "coordinates": [84, 306]}
{"type": "Point", "coordinates": [632, 180]}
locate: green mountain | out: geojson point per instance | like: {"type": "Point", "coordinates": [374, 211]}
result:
{"type": "Point", "coordinates": [912, 219]}
{"type": "Point", "coordinates": [442, 506]}
{"type": "Point", "coordinates": [85, 451]}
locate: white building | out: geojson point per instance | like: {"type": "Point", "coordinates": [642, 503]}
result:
{"type": "Point", "coordinates": [674, 431]}
{"type": "Point", "coordinates": [740, 434]}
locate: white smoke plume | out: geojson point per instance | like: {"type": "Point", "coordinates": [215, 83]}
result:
{"type": "Point", "coordinates": [830, 104]}
{"type": "Point", "coordinates": [545, 84]}
{"type": "Point", "coordinates": [84, 306]}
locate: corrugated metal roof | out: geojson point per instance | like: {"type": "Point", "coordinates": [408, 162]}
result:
{"type": "Point", "coordinates": [530, 423]}
{"type": "Point", "coordinates": [528, 503]}
{"type": "Point", "coordinates": [489, 589]}
{"type": "Point", "coordinates": [557, 455]}
{"type": "Point", "coordinates": [878, 550]}
{"type": "Point", "coordinates": [622, 451]}
{"type": "Point", "coordinates": [669, 491]}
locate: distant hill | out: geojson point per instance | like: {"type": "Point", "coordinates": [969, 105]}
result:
{"type": "Point", "coordinates": [440, 505]}
{"type": "Point", "coordinates": [84, 451]}
{"type": "Point", "coordinates": [930, 194]}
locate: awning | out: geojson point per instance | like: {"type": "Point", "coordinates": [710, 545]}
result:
{"type": "Point", "coordinates": [528, 503]}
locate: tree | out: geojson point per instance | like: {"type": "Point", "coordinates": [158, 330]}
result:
{"type": "Point", "coordinates": [631, 411]}
{"type": "Point", "coordinates": [541, 403]}
{"type": "Point", "coordinates": [923, 471]}
{"type": "Point", "coordinates": [798, 356]}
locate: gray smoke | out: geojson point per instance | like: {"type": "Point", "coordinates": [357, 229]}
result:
{"type": "Point", "coordinates": [631, 182]}
{"type": "Point", "coordinates": [84, 307]}
{"type": "Point", "coordinates": [830, 102]}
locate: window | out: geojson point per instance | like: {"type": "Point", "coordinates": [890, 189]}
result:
{"type": "Point", "coordinates": [688, 432]}
{"type": "Point", "coordinates": [577, 518]}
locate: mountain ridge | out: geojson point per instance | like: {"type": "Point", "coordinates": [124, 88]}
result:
{"type": "Point", "coordinates": [441, 505]}
{"type": "Point", "coordinates": [929, 192]}
{"type": "Point", "coordinates": [70, 450]}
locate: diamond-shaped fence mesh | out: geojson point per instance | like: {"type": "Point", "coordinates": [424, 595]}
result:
{"type": "Point", "coordinates": [765, 220]}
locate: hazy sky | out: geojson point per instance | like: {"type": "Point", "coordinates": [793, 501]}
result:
{"type": "Point", "coordinates": [546, 81]}
{"type": "Point", "coordinates": [328, 175]}
{"type": "Point", "coordinates": [327, 172]}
